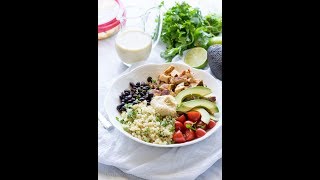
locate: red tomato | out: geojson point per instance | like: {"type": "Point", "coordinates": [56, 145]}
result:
{"type": "Point", "coordinates": [181, 118]}
{"type": "Point", "coordinates": [190, 135]}
{"type": "Point", "coordinates": [178, 137]}
{"type": "Point", "coordinates": [188, 122]}
{"type": "Point", "coordinates": [194, 116]}
{"type": "Point", "coordinates": [211, 124]}
{"type": "Point", "coordinates": [202, 125]}
{"type": "Point", "coordinates": [200, 132]}
{"type": "Point", "coordinates": [179, 126]}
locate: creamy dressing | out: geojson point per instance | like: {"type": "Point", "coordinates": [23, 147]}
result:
{"type": "Point", "coordinates": [133, 46]}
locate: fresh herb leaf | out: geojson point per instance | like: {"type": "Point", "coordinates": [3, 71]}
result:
{"type": "Point", "coordinates": [189, 126]}
{"type": "Point", "coordinates": [164, 123]}
{"type": "Point", "coordinates": [184, 27]}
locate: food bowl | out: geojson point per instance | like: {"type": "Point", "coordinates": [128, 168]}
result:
{"type": "Point", "coordinates": [153, 70]}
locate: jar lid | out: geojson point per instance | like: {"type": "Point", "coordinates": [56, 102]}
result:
{"type": "Point", "coordinates": [108, 10]}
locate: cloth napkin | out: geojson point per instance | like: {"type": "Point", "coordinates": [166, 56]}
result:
{"type": "Point", "coordinates": [154, 163]}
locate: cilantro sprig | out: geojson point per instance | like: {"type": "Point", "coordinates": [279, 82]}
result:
{"type": "Point", "coordinates": [184, 27]}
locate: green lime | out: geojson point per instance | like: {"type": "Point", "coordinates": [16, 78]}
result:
{"type": "Point", "coordinates": [217, 40]}
{"type": "Point", "coordinates": [196, 58]}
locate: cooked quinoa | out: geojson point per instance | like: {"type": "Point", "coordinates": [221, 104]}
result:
{"type": "Point", "coordinates": [142, 122]}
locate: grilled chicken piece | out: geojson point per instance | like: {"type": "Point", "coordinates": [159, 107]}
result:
{"type": "Point", "coordinates": [179, 88]}
{"type": "Point", "coordinates": [197, 83]}
{"type": "Point", "coordinates": [177, 80]}
{"type": "Point", "coordinates": [164, 78]}
{"type": "Point", "coordinates": [174, 73]}
{"type": "Point", "coordinates": [166, 86]}
{"type": "Point", "coordinates": [156, 92]}
{"type": "Point", "coordinates": [168, 70]}
{"type": "Point", "coordinates": [165, 92]}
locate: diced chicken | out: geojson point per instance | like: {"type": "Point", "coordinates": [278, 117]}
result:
{"type": "Point", "coordinates": [164, 78]}
{"type": "Point", "coordinates": [169, 70]}
{"type": "Point", "coordinates": [165, 92]}
{"type": "Point", "coordinates": [174, 73]}
{"type": "Point", "coordinates": [178, 80]}
{"type": "Point", "coordinates": [197, 83]}
{"type": "Point", "coordinates": [166, 86]}
{"type": "Point", "coordinates": [179, 88]}
{"type": "Point", "coordinates": [156, 92]}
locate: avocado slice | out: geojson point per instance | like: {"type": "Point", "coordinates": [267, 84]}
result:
{"type": "Point", "coordinates": [205, 116]}
{"type": "Point", "coordinates": [214, 118]}
{"type": "Point", "coordinates": [188, 105]}
{"type": "Point", "coordinates": [198, 90]}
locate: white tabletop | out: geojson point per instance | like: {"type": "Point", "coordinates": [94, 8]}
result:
{"type": "Point", "coordinates": [109, 67]}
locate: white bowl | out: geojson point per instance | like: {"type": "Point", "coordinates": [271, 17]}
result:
{"type": "Point", "coordinates": [140, 74]}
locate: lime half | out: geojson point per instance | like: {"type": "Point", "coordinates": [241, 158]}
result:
{"type": "Point", "coordinates": [217, 40]}
{"type": "Point", "coordinates": [196, 58]}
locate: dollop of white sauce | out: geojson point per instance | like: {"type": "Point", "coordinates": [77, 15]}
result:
{"type": "Point", "coordinates": [164, 105]}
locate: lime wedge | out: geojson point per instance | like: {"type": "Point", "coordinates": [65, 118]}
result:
{"type": "Point", "coordinates": [196, 58]}
{"type": "Point", "coordinates": [217, 40]}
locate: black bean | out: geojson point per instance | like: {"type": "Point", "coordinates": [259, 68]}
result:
{"type": "Point", "coordinates": [149, 79]}
{"type": "Point", "coordinates": [135, 102]}
{"type": "Point", "coordinates": [130, 100]}
{"type": "Point", "coordinates": [119, 107]}
{"type": "Point", "coordinates": [143, 83]}
{"type": "Point", "coordinates": [138, 84]}
{"type": "Point", "coordinates": [134, 95]}
{"type": "Point", "coordinates": [120, 97]}
{"type": "Point", "coordinates": [145, 88]}
{"type": "Point", "coordinates": [122, 94]}
{"type": "Point", "coordinates": [142, 99]}
{"type": "Point", "coordinates": [131, 84]}
{"type": "Point", "coordinates": [150, 94]}
{"type": "Point", "coordinates": [123, 108]}
{"type": "Point", "coordinates": [129, 96]}
{"type": "Point", "coordinates": [122, 104]}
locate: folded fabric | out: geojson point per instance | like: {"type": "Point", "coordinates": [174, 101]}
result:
{"type": "Point", "coordinates": [147, 162]}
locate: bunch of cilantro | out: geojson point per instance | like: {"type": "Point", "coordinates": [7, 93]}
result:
{"type": "Point", "coordinates": [184, 27]}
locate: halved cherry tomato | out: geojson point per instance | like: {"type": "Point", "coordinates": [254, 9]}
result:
{"type": "Point", "coordinates": [178, 137]}
{"type": "Point", "coordinates": [181, 118]}
{"type": "Point", "coordinates": [188, 122]}
{"type": "Point", "coordinates": [202, 125]}
{"type": "Point", "coordinates": [190, 135]}
{"type": "Point", "coordinates": [211, 124]}
{"type": "Point", "coordinates": [194, 116]}
{"type": "Point", "coordinates": [200, 132]}
{"type": "Point", "coordinates": [179, 126]}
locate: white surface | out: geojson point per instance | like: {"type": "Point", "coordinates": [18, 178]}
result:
{"type": "Point", "coordinates": [109, 67]}
{"type": "Point", "coordinates": [140, 74]}
{"type": "Point", "coordinates": [183, 163]}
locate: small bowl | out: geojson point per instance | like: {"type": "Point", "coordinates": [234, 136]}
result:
{"type": "Point", "coordinates": [153, 70]}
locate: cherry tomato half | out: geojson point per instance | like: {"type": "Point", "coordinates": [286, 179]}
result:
{"type": "Point", "coordinates": [190, 135]}
{"type": "Point", "coordinates": [181, 118]}
{"type": "Point", "coordinates": [211, 124]}
{"type": "Point", "coordinates": [194, 116]}
{"type": "Point", "coordinates": [200, 132]}
{"type": "Point", "coordinates": [178, 137]}
{"type": "Point", "coordinates": [202, 125]}
{"type": "Point", "coordinates": [179, 126]}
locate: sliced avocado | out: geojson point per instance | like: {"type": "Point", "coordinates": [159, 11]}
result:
{"type": "Point", "coordinates": [205, 116]}
{"type": "Point", "coordinates": [214, 118]}
{"type": "Point", "coordinates": [198, 90]}
{"type": "Point", "coordinates": [188, 105]}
